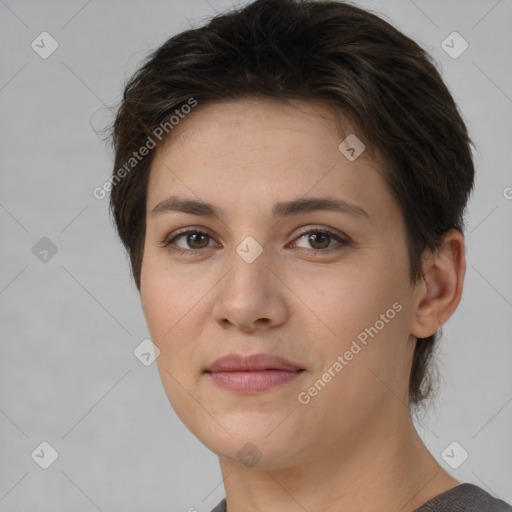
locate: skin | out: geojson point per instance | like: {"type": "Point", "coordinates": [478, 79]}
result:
{"type": "Point", "coordinates": [353, 446]}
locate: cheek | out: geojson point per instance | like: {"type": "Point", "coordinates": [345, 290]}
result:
{"type": "Point", "coordinates": [174, 300]}
{"type": "Point", "coordinates": [167, 296]}
{"type": "Point", "coordinates": [352, 299]}
{"type": "Point", "coordinates": [365, 310]}
{"type": "Point", "coordinates": [166, 300]}
{"type": "Point", "coordinates": [157, 300]}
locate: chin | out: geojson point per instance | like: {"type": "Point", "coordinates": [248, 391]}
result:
{"type": "Point", "coordinates": [256, 454]}
{"type": "Point", "coordinates": [247, 441]}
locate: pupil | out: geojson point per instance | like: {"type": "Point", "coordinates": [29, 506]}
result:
{"type": "Point", "coordinates": [190, 237]}
{"type": "Point", "coordinates": [314, 235]}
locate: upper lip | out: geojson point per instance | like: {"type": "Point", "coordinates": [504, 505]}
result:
{"type": "Point", "coordinates": [251, 362]}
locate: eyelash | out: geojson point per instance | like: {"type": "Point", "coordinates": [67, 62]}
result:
{"type": "Point", "coordinates": [166, 242]}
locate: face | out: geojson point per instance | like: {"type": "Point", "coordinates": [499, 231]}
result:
{"type": "Point", "coordinates": [325, 288]}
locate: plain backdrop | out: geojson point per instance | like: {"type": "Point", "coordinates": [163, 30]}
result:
{"type": "Point", "coordinates": [71, 318]}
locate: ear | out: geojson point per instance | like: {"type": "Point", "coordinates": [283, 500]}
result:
{"type": "Point", "coordinates": [439, 294]}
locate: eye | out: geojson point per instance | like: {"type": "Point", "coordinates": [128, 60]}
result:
{"type": "Point", "coordinates": [320, 240]}
{"type": "Point", "coordinates": [194, 240]}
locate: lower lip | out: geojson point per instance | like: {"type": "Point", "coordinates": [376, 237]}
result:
{"type": "Point", "coordinates": [252, 382]}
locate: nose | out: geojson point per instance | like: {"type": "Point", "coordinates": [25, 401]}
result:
{"type": "Point", "coordinates": [252, 295]}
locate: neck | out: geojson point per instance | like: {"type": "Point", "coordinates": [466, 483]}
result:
{"type": "Point", "coordinates": [377, 469]}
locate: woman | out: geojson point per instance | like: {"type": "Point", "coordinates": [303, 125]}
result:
{"type": "Point", "coordinates": [290, 182]}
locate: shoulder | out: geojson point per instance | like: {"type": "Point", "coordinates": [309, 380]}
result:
{"type": "Point", "coordinates": [465, 498]}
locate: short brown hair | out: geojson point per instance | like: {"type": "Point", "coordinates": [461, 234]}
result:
{"type": "Point", "coordinates": [378, 78]}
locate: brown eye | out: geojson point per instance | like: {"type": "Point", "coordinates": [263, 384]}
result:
{"type": "Point", "coordinates": [190, 242]}
{"type": "Point", "coordinates": [193, 241]}
{"type": "Point", "coordinates": [319, 240]}
{"type": "Point", "coordinates": [196, 240]}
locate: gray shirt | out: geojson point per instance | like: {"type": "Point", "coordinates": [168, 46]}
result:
{"type": "Point", "coordinates": [463, 498]}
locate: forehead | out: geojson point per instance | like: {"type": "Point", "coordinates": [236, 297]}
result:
{"type": "Point", "coordinates": [247, 117]}
{"type": "Point", "coordinates": [252, 152]}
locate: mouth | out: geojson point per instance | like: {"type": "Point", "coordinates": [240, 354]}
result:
{"type": "Point", "coordinates": [252, 373]}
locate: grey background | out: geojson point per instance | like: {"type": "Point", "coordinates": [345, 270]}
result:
{"type": "Point", "coordinates": [70, 324]}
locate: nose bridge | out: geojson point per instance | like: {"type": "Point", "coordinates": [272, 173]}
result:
{"type": "Point", "coordinates": [251, 254]}
{"type": "Point", "coordinates": [250, 291]}
{"type": "Point", "coordinates": [249, 268]}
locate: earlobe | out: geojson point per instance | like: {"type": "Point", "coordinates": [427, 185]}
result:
{"type": "Point", "coordinates": [440, 292]}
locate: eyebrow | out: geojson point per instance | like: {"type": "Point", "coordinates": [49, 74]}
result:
{"type": "Point", "coordinates": [280, 209]}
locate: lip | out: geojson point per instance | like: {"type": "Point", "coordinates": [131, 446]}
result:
{"type": "Point", "coordinates": [251, 363]}
{"type": "Point", "coordinates": [252, 373]}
